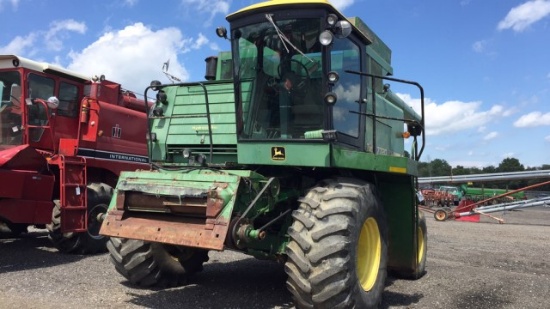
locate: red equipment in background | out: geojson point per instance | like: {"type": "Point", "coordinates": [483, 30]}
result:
{"type": "Point", "coordinates": [64, 139]}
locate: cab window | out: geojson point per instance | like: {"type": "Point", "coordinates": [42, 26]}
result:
{"type": "Point", "coordinates": [68, 100]}
{"type": "Point", "coordinates": [345, 55]}
{"type": "Point", "coordinates": [40, 87]}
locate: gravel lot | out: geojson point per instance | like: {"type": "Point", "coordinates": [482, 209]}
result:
{"type": "Point", "coordinates": [470, 265]}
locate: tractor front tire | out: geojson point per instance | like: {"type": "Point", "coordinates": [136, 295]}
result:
{"type": "Point", "coordinates": [89, 242]}
{"type": "Point", "coordinates": [148, 264]}
{"type": "Point", "coordinates": [337, 255]}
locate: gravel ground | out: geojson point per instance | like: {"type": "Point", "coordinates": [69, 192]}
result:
{"type": "Point", "coordinates": [470, 265]}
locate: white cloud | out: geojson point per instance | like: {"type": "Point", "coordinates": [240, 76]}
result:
{"type": "Point", "coordinates": [200, 41]}
{"type": "Point", "coordinates": [212, 8]}
{"type": "Point", "coordinates": [58, 29]}
{"type": "Point", "coordinates": [533, 119]}
{"type": "Point", "coordinates": [132, 56]}
{"type": "Point", "coordinates": [522, 16]}
{"type": "Point", "coordinates": [490, 136]}
{"type": "Point", "coordinates": [14, 4]}
{"type": "Point", "coordinates": [479, 46]}
{"type": "Point", "coordinates": [547, 138]}
{"type": "Point", "coordinates": [453, 116]}
{"type": "Point", "coordinates": [130, 3]}
{"type": "Point", "coordinates": [342, 4]}
{"type": "Point", "coordinates": [19, 44]}
{"type": "Point", "coordinates": [53, 36]}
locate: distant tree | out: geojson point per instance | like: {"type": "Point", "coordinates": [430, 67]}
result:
{"type": "Point", "coordinates": [489, 169]}
{"type": "Point", "coordinates": [475, 170]}
{"type": "Point", "coordinates": [440, 167]}
{"type": "Point", "coordinates": [460, 170]}
{"type": "Point", "coordinates": [424, 169]}
{"type": "Point", "coordinates": [510, 165]}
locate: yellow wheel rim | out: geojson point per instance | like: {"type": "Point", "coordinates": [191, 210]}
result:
{"type": "Point", "coordinates": [421, 244]}
{"type": "Point", "coordinates": [369, 251]}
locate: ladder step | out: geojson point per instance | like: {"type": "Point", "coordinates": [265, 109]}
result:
{"type": "Point", "coordinates": [79, 207]}
{"type": "Point", "coordinates": [74, 163]}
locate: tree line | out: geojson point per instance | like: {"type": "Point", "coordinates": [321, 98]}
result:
{"type": "Point", "coordinates": [440, 167]}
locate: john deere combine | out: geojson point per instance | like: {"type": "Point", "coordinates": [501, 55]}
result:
{"type": "Point", "coordinates": [293, 149]}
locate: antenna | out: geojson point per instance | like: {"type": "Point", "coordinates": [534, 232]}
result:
{"type": "Point", "coordinates": [171, 77]}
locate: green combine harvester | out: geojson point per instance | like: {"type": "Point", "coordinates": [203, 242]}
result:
{"type": "Point", "coordinates": [478, 194]}
{"type": "Point", "coordinates": [292, 149]}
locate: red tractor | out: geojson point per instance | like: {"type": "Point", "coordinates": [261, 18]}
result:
{"type": "Point", "coordinates": [64, 139]}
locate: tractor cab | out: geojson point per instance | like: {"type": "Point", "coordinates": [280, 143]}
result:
{"type": "Point", "coordinates": [35, 98]}
{"type": "Point", "coordinates": [312, 76]}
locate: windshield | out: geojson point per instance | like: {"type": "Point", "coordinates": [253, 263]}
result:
{"type": "Point", "coordinates": [10, 109]}
{"type": "Point", "coordinates": [278, 64]}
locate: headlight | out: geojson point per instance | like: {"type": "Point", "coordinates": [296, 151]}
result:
{"type": "Point", "coordinates": [333, 77]}
{"type": "Point", "coordinates": [325, 38]}
{"type": "Point", "coordinates": [330, 98]}
{"type": "Point", "coordinates": [332, 19]}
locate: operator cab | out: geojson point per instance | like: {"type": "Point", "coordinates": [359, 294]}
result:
{"type": "Point", "coordinates": [290, 74]}
{"type": "Point", "coordinates": [33, 96]}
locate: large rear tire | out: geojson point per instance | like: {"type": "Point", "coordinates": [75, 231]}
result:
{"type": "Point", "coordinates": [154, 264]}
{"type": "Point", "coordinates": [421, 247]}
{"type": "Point", "coordinates": [337, 255]}
{"type": "Point", "coordinates": [89, 242]}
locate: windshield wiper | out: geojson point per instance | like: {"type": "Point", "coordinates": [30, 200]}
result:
{"type": "Point", "coordinates": [283, 38]}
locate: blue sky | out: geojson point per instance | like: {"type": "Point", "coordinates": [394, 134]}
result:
{"type": "Point", "coordinates": [484, 65]}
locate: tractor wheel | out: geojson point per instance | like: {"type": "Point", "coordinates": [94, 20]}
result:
{"type": "Point", "coordinates": [441, 215]}
{"type": "Point", "coordinates": [422, 247]}
{"type": "Point", "coordinates": [154, 264]}
{"type": "Point", "coordinates": [99, 197]}
{"type": "Point", "coordinates": [17, 229]}
{"type": "Point", "coordinates": [337, 254]}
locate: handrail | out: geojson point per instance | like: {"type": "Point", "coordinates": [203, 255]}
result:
{"type": "Point", "coordinates": [417, 153]}
{"type": "Point", "coordinates": [208, 118]}
{"type": "Point", "coordinates": [48, 126]}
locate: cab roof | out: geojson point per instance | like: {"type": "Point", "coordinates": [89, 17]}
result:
{"type": "Point", "coordinates": [14, 61]}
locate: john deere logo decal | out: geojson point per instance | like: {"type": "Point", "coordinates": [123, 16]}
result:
{"type": "Point", "coordinates": [278, 153]}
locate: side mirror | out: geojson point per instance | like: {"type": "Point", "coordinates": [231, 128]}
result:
{"type": "Point", "coordinates": [414, 128]}
{"type": "Point", "coordinates": [221, 32]}
{"type": "Point", "coordinates": [52, 102]}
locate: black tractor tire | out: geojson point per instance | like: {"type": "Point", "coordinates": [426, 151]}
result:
{"type": "Point", "coordinates": [337, 254]}
{"type": "Point", "coordinates": [17, 229]}
{"type": "Point", "coordinates": [422, 246]}
{"type": "Point", "coordinates": [89, 242]}
{"type": "Point", "coordinates": [147, 264]}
